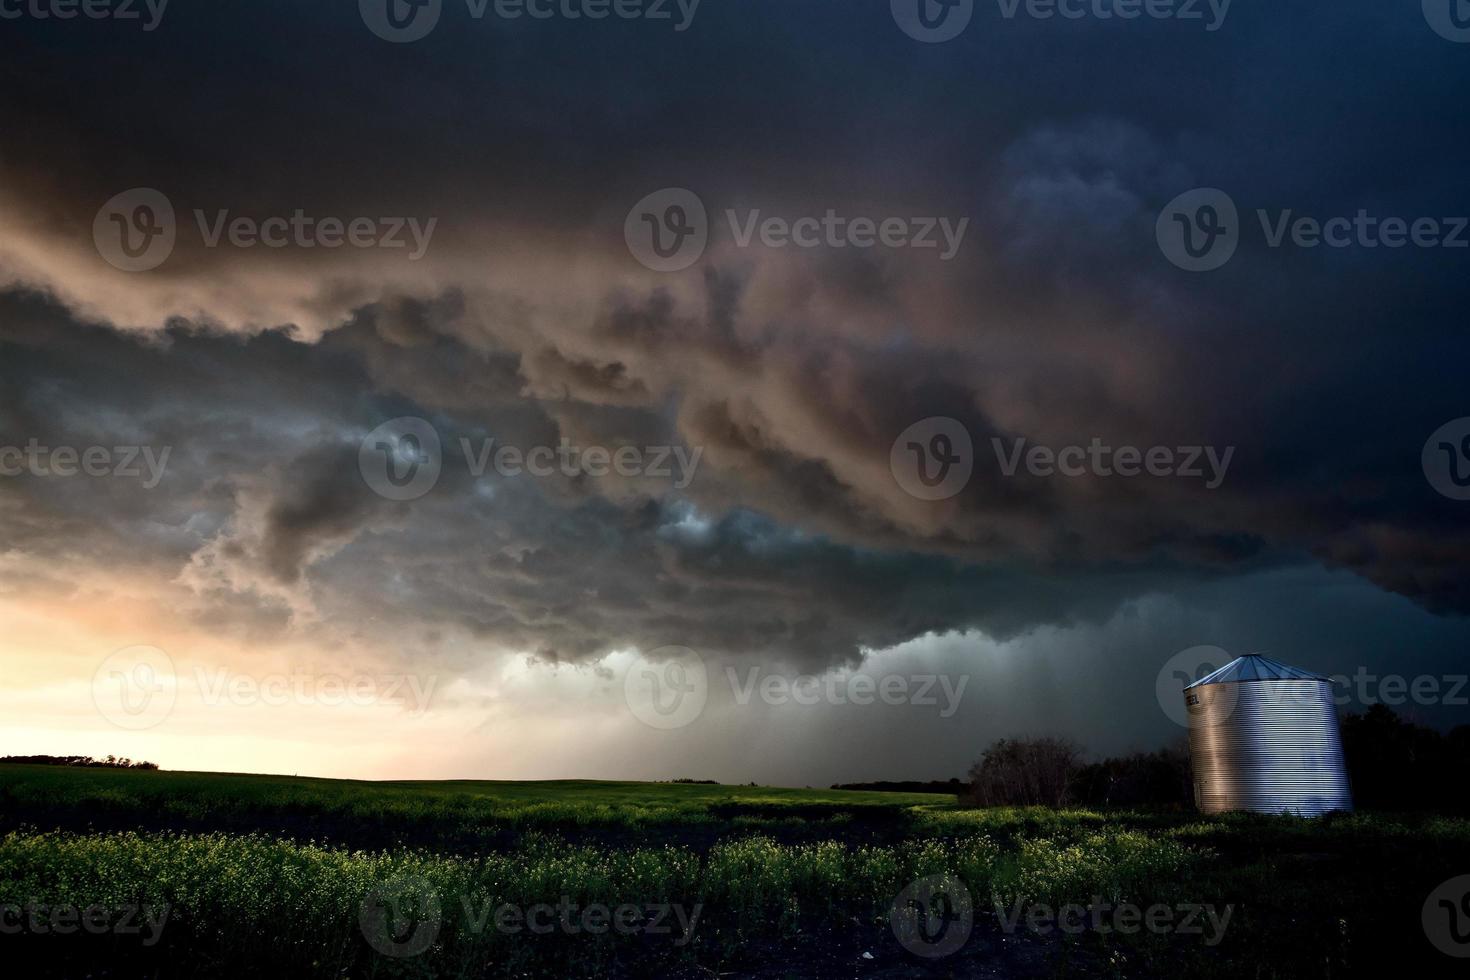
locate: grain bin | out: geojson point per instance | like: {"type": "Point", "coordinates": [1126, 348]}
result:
{"type": "Point", "coordinates": [1263, 737]}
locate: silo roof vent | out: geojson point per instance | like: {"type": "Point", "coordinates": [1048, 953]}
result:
{"type": "Point", "coordinates": [1254, 667]}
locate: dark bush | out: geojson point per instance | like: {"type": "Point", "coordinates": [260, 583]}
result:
{"type": "Point", "coordinates": [1397, 765]}
{"type": "Point", "coordinates": [1025, 772]}
{"type": "Point", "coordinates": [84, 761]}
{"type": "Point", "coordinates": [1145, 779]}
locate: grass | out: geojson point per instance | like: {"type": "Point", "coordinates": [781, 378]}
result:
{"type": "Point", "coordinates": [791, 882]}
{"type": "Point", "coordinates": [456, 814]}
{"type": "Point", "coordinates": [226, 891]}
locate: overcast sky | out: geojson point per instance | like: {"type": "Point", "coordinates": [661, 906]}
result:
{"type": "Point", "coordinates": [250, 377]}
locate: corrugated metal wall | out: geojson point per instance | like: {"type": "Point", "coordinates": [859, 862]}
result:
{"type": "Point", "coordinates": [1267, 746]}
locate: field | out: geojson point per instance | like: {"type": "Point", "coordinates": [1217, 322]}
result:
{"type": "Point", "coordinates": [224, 875]}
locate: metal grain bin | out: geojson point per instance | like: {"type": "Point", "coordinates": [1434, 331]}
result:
{"type": "Point", "coordinates": [1263, 737]}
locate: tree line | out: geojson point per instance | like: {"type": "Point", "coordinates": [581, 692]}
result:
{"type": "Point", "coordinates": [1394, 764]}
{"type": "Point", "coordinates": [83, 761]}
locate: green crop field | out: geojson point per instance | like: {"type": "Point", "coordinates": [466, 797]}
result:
{"type": "Point", "coordinates": [224, 875]}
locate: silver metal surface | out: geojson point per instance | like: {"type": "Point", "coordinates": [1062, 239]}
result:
{"type": "Point", "coordinates": [1256, 667]}
{"type": "Point", "coordinates": [1269, 745]}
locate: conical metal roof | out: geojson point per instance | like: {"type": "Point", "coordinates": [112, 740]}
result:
{"type": "Point", "coordinates": [1254, 667]}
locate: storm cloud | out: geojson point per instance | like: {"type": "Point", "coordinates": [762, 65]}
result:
{"type": "Point", "coordinates": [790, 370]}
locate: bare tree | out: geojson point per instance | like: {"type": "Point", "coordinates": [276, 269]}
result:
{"type": "Point", "coordinates": [1025, 772]}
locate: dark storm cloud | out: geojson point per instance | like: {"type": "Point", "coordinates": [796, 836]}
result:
{"type": "Point", "coordinates": [1058, 321]}
{"type": "Point", "coordinates": [267, 502]}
